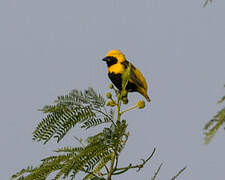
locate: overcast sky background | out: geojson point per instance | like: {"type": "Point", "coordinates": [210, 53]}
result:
{"type": "Point", "coordinates": [49, 47]}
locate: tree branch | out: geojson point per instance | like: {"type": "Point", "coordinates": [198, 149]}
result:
{"type": "Point", "coordinates": [111, 167]}
{"type": "Point", "coordinates": [157, 172]}
{"type": "Point", "coordinates": [173, 178]}
{"type": "Point", "coordinates": [128, 109]}
{"type": "Point", "coordinates": [139, 166]}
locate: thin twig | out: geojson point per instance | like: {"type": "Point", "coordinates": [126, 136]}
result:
{"type": "Point", "coordinates": [106, 168]}
{"type": "Point", "coordinates": [128, 109]}
{"type": "Point", "coordinates": [89, 172]}
{"type": "Point", "coordinates": [157, 172]}
{"type": "Point", "coordinates": [150, 155]}
{"type": "Point", "coordinates": [173, 178]}
{"type": "Point", "coordinates": [117, 160]}
{"type": "Point", "coordinates": [111, 168]}
{"type": "Point", "coordinates": [118, 109]}
{"type": "Point", "coordinates": [122, 170]}
{"type": "Point", "coordinates": [79, 140]}
{"type": "Point", "coordinates": [105, 115]}
{"type": "Point", "coordinates": [139, 166]}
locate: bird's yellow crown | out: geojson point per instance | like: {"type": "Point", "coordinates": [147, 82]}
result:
{"type": "Point", "coordinates": [117, 54]}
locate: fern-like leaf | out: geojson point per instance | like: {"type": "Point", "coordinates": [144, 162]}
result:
{"type": "Point", "coordinates": [92, 122]}
{"type": "Point", "coordinates": [99, 166]}
{"type": "Point", "coordinates": [221, 100]}
{"type": "Point", "coordinates": [90, 159]}
{"type": "Point", "coordinates": [85, 107]}
{"type": "Point", "coordinates": [215, 123]}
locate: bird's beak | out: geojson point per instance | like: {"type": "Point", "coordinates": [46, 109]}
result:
{"type": "Point", "coordinates": [105, 59]}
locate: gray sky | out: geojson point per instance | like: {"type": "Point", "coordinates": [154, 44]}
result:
{"type": "Point", "coordinates": [48, 47]}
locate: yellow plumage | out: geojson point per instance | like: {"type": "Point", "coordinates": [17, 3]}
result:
{"type": "Point", "coordinates": [116, 66]}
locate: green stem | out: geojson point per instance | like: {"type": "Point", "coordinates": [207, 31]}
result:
{"type": "Point", "coordinates": [106, 115]}
{"type": "Point", "coordinates": [111, 168]}
{"type": "Point", "coordinates": [157, 172]}
{"type": "Point", "coordinates": [91, 173]}
{"type": "Point", "coordinates": [117, 160]}
{"type": "Point", "coordinates": [123, 170]}
{"type": "Point", "coordinates": [106, 168]}
{"type": "Point", "coordinates": [139, 166]}
{"type": "Point", "coordinates": [128, 109]}
{"type": "Point", "coordinates": [173, 178]}
{"type": "Point", "coordinates": [118, 113]}
{"type": "Point", "coordinates": [118, 108]}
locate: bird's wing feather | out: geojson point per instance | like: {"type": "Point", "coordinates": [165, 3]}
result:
{"type": "Point", "coordinates": [135, 76]}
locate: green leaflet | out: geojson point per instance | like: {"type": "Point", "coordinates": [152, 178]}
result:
{"type": "Point", "coordinates": [215, 123]}
{"type": "Point", "coordinates": [71, 160]}
{"type": "Point", "coordinates": [99, 167]}
{"type": "Point", "coordinates": [86, 108]}
{"type": "Point", "coordinates": [221, 100]}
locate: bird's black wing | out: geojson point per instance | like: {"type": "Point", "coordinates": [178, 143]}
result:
{"type": "Point", "coordinates": [133, 75]}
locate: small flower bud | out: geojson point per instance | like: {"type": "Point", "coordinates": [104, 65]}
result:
{"type": "Point", "coordinates": [124, 92]}
{"type": "Point", "coordinates": [108, 95]}
{"type": "Point", "coordinates": [108, 103]}
{"type": "Point", "coordinates": [110, 86]}
{"type": "Point", "coordinates": [125, 100]}
{"type": "Point", "coordinates": [140, 104]}
{"type": "Point", "coordinates": [112, 103]}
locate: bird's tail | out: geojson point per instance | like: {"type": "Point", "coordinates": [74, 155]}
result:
{"type": "Point", "coordinates": [147, 98]}
{"type": "Point", "coordinates": [144, 93]}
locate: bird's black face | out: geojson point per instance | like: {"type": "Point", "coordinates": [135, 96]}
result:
{"type": "Point", "coordinates": [110, 60]}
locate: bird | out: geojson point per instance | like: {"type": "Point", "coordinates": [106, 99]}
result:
{"type": "Point", "coordinates": [117, 65]}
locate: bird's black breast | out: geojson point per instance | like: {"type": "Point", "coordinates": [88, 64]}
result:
{"type": "Point", "coordinates": [117, 81]}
